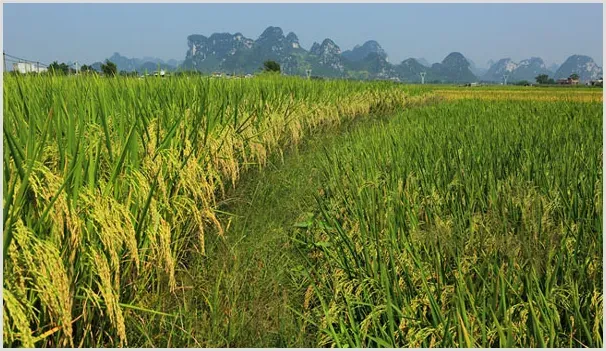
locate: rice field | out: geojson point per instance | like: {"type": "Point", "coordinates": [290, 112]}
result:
{"type": "Point", "coordinates": [523, 94]}
{"type": "Point", "coordinates": [459, 220]}
{"type": "Point", "coordinates": [465, 224]}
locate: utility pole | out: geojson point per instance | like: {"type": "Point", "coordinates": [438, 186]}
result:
{"type": "Point", "coordinates": [423, 77]}
{"type": "Point", "coordinates": [308, 72]}
{"type": "Point", "coordinates": [505, 76]}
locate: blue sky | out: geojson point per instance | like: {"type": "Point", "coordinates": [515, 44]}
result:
{"type": "Point", "coordinates": [93, 32]}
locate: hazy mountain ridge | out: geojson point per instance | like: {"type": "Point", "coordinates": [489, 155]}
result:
{"type": "Point", "coordinates": [124, 63]}
{"type": "Point", "coordinates": [454, 68]}
{"type": "Point", "coordinates": [360, 52]}
{"type": "Point", "coordinates": [423, 61]}
{"type": "Point", "coordinates": [235, 53]}
{"type": "Point", "coordinates": [478, 71]}
{"type": "Point", "coordinates": [526, 69]}
{"type": "Point", "coordinates": [582, 65]}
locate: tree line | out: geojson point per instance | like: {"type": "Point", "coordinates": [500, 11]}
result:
{"type": "Point", "coordinates": [109, 68]}
{"type": "Point", "coordinates": [544, 78]}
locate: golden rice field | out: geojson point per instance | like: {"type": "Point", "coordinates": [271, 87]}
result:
{"type": "Point", "coordinates": [466, 217]}
{"type": "Point", "coordinates": [523, 94]}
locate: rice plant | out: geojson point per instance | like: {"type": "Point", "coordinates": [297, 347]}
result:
{"type": "Point", "coordinates": [109, 183]}
{"type": "Point", "coordinates": [469, 223]}
{"type": "Point", "coordinates": [474, 221]}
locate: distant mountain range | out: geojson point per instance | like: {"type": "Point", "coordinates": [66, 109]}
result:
{"type": "Point", "coordinates": [359, 52]}
{"type": "Point", "coordinates": [581, 65]}
{"type": "Point", "coordinates": [149, 64]}
{"type": "Point", "coordinates": [516, 71]}
{"type": "Point", "coordinates": [235, 53]}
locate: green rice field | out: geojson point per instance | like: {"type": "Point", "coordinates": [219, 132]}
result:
{"type": "Point", "coordinates": [284, 212]}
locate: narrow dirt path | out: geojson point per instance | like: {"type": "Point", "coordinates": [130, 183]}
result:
{"type": "Point", "coordinates": [249, 289]}
{"type": "Point", "coordinates": [255, 271]}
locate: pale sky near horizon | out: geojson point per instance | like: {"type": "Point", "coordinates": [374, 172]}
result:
{"type": "Point", "coordinates": [92, 32]}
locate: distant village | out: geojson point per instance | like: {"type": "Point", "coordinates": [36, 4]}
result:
{"type": "Point", "coordinates": [32, 67]}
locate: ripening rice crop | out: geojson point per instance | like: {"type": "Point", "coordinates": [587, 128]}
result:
{"type": "Point", "coordinates": [109, 182]}
{"type": "Point", "coordinates": [462, 224]}
{"type": "Point", "coordinates": [474, 221]}
{"type": "Point", "coordinates": [580, 94]}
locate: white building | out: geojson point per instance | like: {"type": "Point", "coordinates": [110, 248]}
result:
{"type": "Point", "coordinates": [27, 67]}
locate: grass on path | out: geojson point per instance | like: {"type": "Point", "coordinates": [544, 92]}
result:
{"type": "Point", "coordinates": [243, 293]}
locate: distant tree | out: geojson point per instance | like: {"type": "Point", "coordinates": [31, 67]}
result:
{"type": "Point", "coordinates": [550, 81]}
{"type": "Point", "coordinates": [87, 69]}
{"type": "Point", "coordinates": [129, 73]}
{"type": "Point", "coordinates": [574, 76]}
{"type": "Point", "coordinates": [542, 79]}
{"type": "Point", "coordinates": [53, 67]}
{"type": "Point", "coordinates": [271, 66]}
{"type": "Point", "coordinates": [523, 83]}
{"type": "Point", "coordinates": [58, 68]}
{"type": "Point", "coordinates": [109, 68]}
